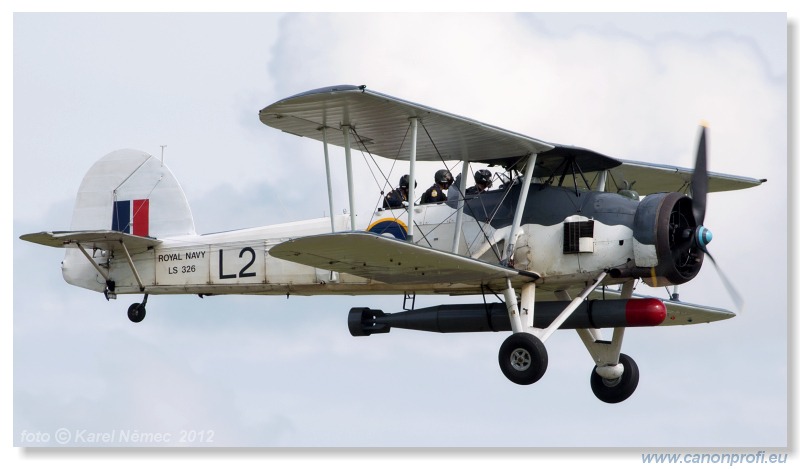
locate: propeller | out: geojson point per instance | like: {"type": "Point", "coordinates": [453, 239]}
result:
{"type": "Point", "coordinates": [699, 184]}
{"type": "Point", "coordinates": [701, 236]}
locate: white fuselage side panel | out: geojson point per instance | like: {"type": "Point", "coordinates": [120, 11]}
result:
{"type": "Point", "coordinates": [227, 262]}
{"type": "Point", "coordinates": [541, 248]}
{"type": "Point", "coordinates": [240, 261]}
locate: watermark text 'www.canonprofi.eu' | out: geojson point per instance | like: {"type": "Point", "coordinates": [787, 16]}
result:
{"type": "Point", "coordinates": [732, 458]}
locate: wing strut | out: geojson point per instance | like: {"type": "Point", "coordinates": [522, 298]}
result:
{"type": "Point", "coordinates": [462, 188]}
{"type": "Point", "coordinates": [600, 186]}
{"type": "Point", "coordinates": [328, 175]}
{"type": "Point", "coordinates": [411, 179]}
{"type": "Point", "coordinates": [523, 197]}
{"type": "Point", "coordinates": [348, 159]}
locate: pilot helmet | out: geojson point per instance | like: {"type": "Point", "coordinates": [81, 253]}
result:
{"type": "Point", "coordinates": [443, 177]}
{"type": "Point", "coordinates": [404, 182]}
{"type": "Point", "coordinates": [483, 176]}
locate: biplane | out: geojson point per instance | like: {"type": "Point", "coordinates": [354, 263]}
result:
{"type": "Point", "coordinates": [560, 241]}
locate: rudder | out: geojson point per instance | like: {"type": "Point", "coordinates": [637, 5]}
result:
{"type": "Point", "coordinates": [132, 192]}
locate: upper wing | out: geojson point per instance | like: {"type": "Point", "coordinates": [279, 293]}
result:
{"type": "Point", "coordinates": [381, 124]}
{"type": "Point", "coordinates": [390, 260]}
{"type": "Point", "coordinates": [101, 239]}
{"type": "Point", "coordinates": [651, 177]}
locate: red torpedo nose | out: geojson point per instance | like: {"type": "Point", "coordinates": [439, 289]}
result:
{"type": "Point", "coordinates": [645, 312]}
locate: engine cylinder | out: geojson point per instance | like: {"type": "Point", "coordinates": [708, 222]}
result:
{"type": "Point", "coordinates": [664, 253]}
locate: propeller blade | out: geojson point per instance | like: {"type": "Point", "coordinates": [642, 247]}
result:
{"type": "Point", "coordinates": [700, 180]}
{"type": "Point", "coordinates": [735, 296]}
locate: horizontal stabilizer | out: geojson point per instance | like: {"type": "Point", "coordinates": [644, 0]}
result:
{"type": "Point", "coordinates": [390, 260]}
{"type": "Point", "coordinates": [102, 239]}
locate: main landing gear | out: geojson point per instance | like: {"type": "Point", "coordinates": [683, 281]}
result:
{"type": "Point", "coordinates": [618, 389]}
{"type": "Point", "coordinates": [523, 356]}
{"type": "Point", "coordinates": [523, 360]}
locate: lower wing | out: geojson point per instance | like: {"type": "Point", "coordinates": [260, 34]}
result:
{"type": "Point", "coordinates": [390, 260]}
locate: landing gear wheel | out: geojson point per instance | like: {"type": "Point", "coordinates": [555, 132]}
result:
{"type": "Point", "coordinates": [523, 358]}
{"type": "Point", "coordinates": [617, 390]}
{"type": "Point", "coordinates": [136, 312]}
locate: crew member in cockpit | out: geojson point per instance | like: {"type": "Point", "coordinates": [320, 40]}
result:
{"type": "Point", "coordinates": [483, 181]}
{"type": "Point", "coordinates": [438, 191]}
{"type": "Point", "coordinates": [398, 198]}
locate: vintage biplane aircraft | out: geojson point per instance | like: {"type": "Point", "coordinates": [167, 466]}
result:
{"type": "Point", "coordinates": [566, 224]}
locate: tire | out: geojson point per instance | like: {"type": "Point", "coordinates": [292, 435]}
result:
{"type": "Point", "coordinates": [616, 391]}
{"type": "Point", "coordinates": [523, 358]}
{"type": "Point", "coordinates": [136, 312]}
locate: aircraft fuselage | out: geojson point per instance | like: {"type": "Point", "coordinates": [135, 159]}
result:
{"type": "Point", "coordinates": [568, 236]}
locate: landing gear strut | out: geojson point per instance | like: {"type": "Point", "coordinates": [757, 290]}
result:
{"type": "Point", "coordinates": [136, 311]}
{"type": "Point", "coordinates": [523, 357]}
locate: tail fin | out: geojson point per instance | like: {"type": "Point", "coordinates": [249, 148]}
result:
{"type": "Point", "coordinates": [132, 192]}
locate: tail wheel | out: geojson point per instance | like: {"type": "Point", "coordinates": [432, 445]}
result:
{"type": "Point", "coordinates": [523, 358]}
{"type": "Point", "coordinates": [136, 312]}
{"type": "Point", "coordinates": [617, 390]}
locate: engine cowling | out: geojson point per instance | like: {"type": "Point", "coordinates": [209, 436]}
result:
{"type": "Point", "coordinates": [664, 253]}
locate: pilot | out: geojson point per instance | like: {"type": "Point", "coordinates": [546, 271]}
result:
{"type": "Point", "coordinates": [438, 191]}
{"type": "Point", "coordinates": [483, 181]}
{"type": "Point", "coordinates": [398, 198]}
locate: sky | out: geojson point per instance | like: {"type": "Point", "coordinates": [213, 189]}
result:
{"type": "Point", "coordinates": [278, 372]}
